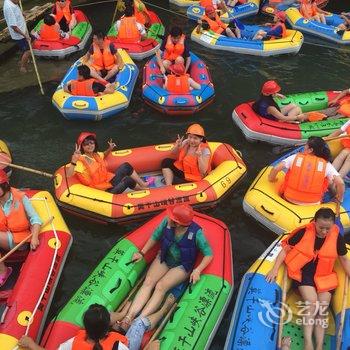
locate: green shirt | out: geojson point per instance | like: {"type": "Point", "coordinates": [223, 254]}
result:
{"type": "Point", "coordinates": [173, 257]}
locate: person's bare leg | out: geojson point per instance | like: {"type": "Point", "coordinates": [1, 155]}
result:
{"type": "Point", "coordinates": [291, 110]}
{"type": "Point", "coordinates": [168, 176]}
{"type": "Point", "coordinates": [345, 168]}
{"type": "Point", "coordinates": [95, 74]}
{"type": "Point", "coordinates": [340, 159]}
{"type": "Point", "coordinates": [309, 296]}
{"type": "Point", "coordinates": [166, 64]}
{"type": "Point", "coordinates": [180, 60]}
{"type": "Point", "coordinates": [158, 315]}
{"type": "Point", "coordinates": [156, 271]}
{"type": "Point", "coordinates": [136, 177]}
{"type": "Point", "coordinates": [230, 33]}
{"type": "Point", "coordinates": [321, 320]}
{"type": "Point", "coordinates": [24, 61]}
{"type": "Point", "coordinates": [172, 278]}
{"type": "Point", "coordinates": [112, 72]}
{"type": "Point", "coordinates": [259, 35]}
{"type": "Point", "coordinates": [3, 245]}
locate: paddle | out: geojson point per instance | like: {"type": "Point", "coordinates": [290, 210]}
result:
{"type": "Point", "coordinates": [20, 167]}
{"type": "Point", "coordinates": [48, 221]}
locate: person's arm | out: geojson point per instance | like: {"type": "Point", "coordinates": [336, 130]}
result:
{"type": "Point", "coordinates": [119, 59]}
{"type": "Point", "coordinates": [195, 275]}
{"type": "Point", "coordinates": [178, 144]}
{"type": "Point", "coordinates": [35, 222]}
{"type": "Point", "coordinates": [272, 274]}
{"type": "Point", "coordinates": [28, 343]}
{"type": "Point", "coordinates": [73, 163]}
{"type": "Point", "coordinates": [203, 161]}
{"type": "Point", "coordinates": [341, 95]}
{"type": "Point", "coordinates": [111, 146]}
{"type": "Point", "coordinates": [160, 61]}
{"type": "Point", "coordinates": [188, 63]}
{"type": "Point", "coordinates": [274, 172]}
{"type": "Point", "coordinates": [193, 84]}
{"type": "Point", "coordinates": [67, 88]}
{"type": "Point", "coordinates": [334, 134]}
{"type": "Point", "coordinates": [345, 261]}
{"type": "Point", "coordinates": [339, 188]}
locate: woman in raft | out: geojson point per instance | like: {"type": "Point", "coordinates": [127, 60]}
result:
{"type": "Point", "coordinates": [193, 158]}
{"type": "Point", "coordinates": [89, 166]}
{"type": "Point", "coordinates": [181, 239]}
{"type": "Point", "coordinates": [308, 174]}
{"type": "Point", "coordinates": [309, 253]}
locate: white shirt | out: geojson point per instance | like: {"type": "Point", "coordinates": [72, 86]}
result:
{"type": "Point", "coordinates": [68, 345]}
{"type": "Point", "coordinates": [139, 26]}
{"type": "Point", "coordinates": [14, 17]}
{"type": "Point", "coordinates": [331, 172]}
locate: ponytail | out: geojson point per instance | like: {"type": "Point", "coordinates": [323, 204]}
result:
{"type": "Point", "coordinates": [97, 345]}
{"type": "Point", "coordinates": [319, 148]}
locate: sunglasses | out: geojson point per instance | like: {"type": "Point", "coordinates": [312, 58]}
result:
{"type": "Point", "coordinates": [88, 142]}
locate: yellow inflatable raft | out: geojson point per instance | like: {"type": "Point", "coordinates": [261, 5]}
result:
{"type": "Point", "coordinates": [5, 157]}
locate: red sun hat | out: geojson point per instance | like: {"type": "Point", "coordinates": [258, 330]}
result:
{"type": "Point", "coordinates": [83, 135]}
{"type": "Point", "coordinates": [270, 87]}
{"type": "Point", "coordinates": [181, 214]}
{"type": "Point", "coordinates": [177, 68]}
{"type": "Point", "coordinates": [3, 177]}
{"type": "Point", "coordinates": [281, 15]}
{"type": "Point", "coordinates": [209, 9]}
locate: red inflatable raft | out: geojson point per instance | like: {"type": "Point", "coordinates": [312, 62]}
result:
{"type": "Point", "coordinates": [27, 294]}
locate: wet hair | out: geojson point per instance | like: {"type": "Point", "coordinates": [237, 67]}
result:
{"type": "Point", "coordinates": [175, 31]}
{"type": "Point", "coordinates": [99, 34]}
{"type": "Point", "coordinates": [96, 321]}
{"type": "Point", "coordinates": [49, 20]}
{"type": "Point", "coordinates": [325, 213]}
{"type": "Point", "coordinates": [88, 139]}
{"type": "Point", "coordinates": [84, 71]}
{"type": "Point", "coordinates": [205, 25]}
{"type": "Point", "coordinates": [129, 11]}
{"type": "Point", "coordinates": [319, 148]}
{"type": "Point", "coordinates": [5, 187]}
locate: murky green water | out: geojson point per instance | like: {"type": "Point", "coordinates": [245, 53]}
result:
{"type": "Point", "coordinates": [39, 137]}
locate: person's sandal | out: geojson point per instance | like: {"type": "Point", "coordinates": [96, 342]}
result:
{"type": "Point", "coordinates": [5, 276]}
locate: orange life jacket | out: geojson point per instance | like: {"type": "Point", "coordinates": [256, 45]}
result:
{"type": "Point", "coordinates": [80, 343]}
{"type": "Point", "coordinates": [305, 181]}
{"type": "Point", "coordinates": [215, 24]}
{"type": "Point", "coordinates": [207, 3]}
{"type": "Point", "coordinates": [178, 84]}
{"type": "Point", "coordinates": [173, 51]}
{"type": "Point", "coordinates": [49, 33]}
{"type": "Point", "coordinates": [16, 221]}
{"type": "Point", "coordinates": [82, 87]}
{"type": "Point", "coordinates": [303, 252]}
{"type": "Point", "coordinates": [345, 141]}
{"type": "Point", "coordinates": [308, 10]}
{"type": "Point", "coordinates": [128, 31]}
{"type": "Point", "coordinates": [284, 30]}
{"type": "Point", "coordinates": [140, 14]}
{"type": "Point", "coordinates": [63, 12]}
{"type": "Point", "coordinates": [103, 60]}
{"type": "Point", "coordinates": [96, 174]}
{"type": "Point", "coordinates": [188, 163]}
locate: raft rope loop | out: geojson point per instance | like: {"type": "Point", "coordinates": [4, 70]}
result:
{"type": "Point", "coordinates": [50, 271]}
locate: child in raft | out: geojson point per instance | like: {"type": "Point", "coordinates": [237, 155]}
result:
{"type": "Point", "coordinates": [89, 166]}
{"type": "Point", "coordinates": [309, 254]}
{"type": "Point", "coordinates": [308, 175]}
{"type": "Point", "coordinates": [181, 239]}
{"type": "Point", "coordinates": [193, 158]}
{"type": "Point", "coordinates": [277, 30]}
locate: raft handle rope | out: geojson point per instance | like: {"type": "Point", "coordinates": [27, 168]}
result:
{"type": "Point", "coordinates": [50, 270]}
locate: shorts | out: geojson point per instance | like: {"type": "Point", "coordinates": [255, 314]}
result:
{"type": "Point", "coordinates": [22, 44]}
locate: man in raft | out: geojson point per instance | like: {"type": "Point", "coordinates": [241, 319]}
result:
{"type": "Point", "coordinates": [64, 15]}
{"type": "Point", "coordinates": [49, 30]}
{"type": "Point", "coordinates": [310, 253]}
{"type": "Point", "coordinates": [308, 174]}
{"type": "Point", "coordinates": [278, 28]}
{"type": "Point", "coordinates": [85, 85]}
{"type": "Point", "coordinates": [174, 49]}
{"type": "Point", "coordinates": [211, 19]}
{"type": "Point", "coordinates": [18, 219]}
{"type": "Point", "coordinates": [103, 58]}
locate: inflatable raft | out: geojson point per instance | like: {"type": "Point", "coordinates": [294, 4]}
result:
{"type": "Point", "coordinates": [99, 107]}
{"type": "Point", "coordinates": [271, 7]}
{"type": "Point", "coordinates": [170, 103]}
{"type": "Point", "coordinates": [250, 8]}
{"type": "Point", "coordinates": [290, 44]}
{"type": "Point", "coordinates": [264, 203]}
{"type": "Point", "coordinates": [5, 156]}
{"type": "Point", "coordinates": [26, 296]}
{"type": "Point", "coordinates": [228, 169]}
{"type": "Point", "coordinates": [257, 128]}
{"type": "Point", "coordinates": [114, 278]}
{"type": "Point", "coordinates": [326, 31]}
{"type": "Point", "coordinates": [64, 47]}
{"type": "Point", "coordinates": [255, 320]}
{"type": "Point", "coordinates": [144, 48]}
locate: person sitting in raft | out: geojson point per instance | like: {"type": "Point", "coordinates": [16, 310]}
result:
{"type": "Point", "coordinates": [18, 219]}
{"type": "Point", "coordinates": [128, 28]}
{"type": "Point", "coordinates": [174, 49]}
{"type": "Point", "coordinates": [85, 85]}
{"type": "Point", "coordinates": [308, 174]}
{"type": "Point", "coordinates": [64, 15]}
{"type": "Point", "coordinates": [49, 30]}
{"type": "Point", "coordinates": [309, 253]}
{"type": "Point", "coordinates": [103, 58]}
{"type": "Point", "coordinates": [178, 82]}
{"type": "Point", "coordinates": [89, 166]}
{"type": "Point", "coordinates": [341, 28]}
{"type": "Point", "coordinates": [181, 239]}
{"type": "Point", "coordinates": [216, 25]}
{"type": "Point", "coordinates": [268, 108]}
{"type": "Point", "coordinates": [310, 10]}
{"type": "Point", "coordinates": [217, 4]}
{"type": "Point", "coordinates": [193, 158]}
{"type": "Point", "coordinates": [278, 28]}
